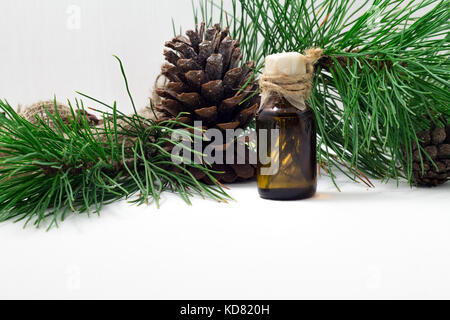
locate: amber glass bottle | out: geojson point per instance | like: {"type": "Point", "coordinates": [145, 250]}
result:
{"type": "Point", "coordinates": [292, 153]}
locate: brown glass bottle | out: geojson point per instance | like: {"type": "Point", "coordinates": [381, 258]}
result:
{"type": "Point", "coordinates": [294, 151]}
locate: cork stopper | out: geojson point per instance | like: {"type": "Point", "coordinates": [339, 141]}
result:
{"type": "Point", "coordinates": [289, 75]}
{"type": "Point", "coordinates": [285, 64]}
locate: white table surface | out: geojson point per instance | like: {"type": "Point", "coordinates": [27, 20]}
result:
{"type": "Point", "coordinates": [386, 242]}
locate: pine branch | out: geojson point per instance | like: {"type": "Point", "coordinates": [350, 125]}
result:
{"type": "Point", "coordinates": [46, 173]}
{"type": "Point", "coordinates": [384, 75]}
{"type": "Point", "coordinates": [56, 167]}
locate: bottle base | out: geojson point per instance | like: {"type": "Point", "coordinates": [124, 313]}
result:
{"type": "Point", "coordinates": [287, 194]}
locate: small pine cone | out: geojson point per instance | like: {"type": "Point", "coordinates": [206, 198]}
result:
{"type": "Point", "coordinates": [203, 77]}
{"type": "Point", "coordinates": [436, 144]}
{"type": "Point", "coordinates": [42, 110]}
{"type": "Point", "coordinates": [128, 127]}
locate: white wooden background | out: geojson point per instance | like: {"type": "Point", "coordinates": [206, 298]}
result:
{"type": "Point", "coordinates": [50, 47]}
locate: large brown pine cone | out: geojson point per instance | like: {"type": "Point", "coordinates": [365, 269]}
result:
{"type": "Point", "coordinates": [436, 143]}
{"type": "Point", "coordinates": [205, 78]}
{"type": "Point", "coordinates": [40, 111]}
{"type": "Point", "coordinates": [207, 81]}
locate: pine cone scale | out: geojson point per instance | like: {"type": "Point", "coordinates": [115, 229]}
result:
{"type": "Point", "coordinates": [206, 80]}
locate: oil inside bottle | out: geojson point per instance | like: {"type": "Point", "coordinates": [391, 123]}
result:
{"type": "Point", "coordinates": [293, 153]}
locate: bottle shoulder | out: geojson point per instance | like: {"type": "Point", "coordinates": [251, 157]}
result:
{"type": "Point", "coordinates": [276, 107]}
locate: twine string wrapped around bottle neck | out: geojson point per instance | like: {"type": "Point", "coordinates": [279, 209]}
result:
{"type": "Point", "coordinates": [295, 88]}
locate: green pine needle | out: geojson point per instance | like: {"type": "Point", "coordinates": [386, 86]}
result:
{"type": "Point", "coordinates": [396, 81]}
{"type": "Point", "coordinates": [48, 172]}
